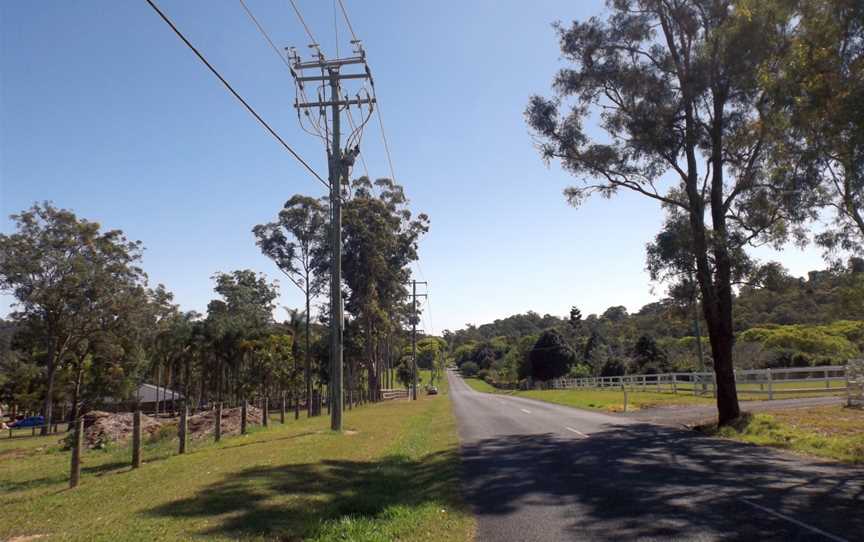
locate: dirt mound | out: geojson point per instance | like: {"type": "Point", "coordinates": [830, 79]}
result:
{"type": "Point", "coordinates": [202, 425]}
{"type": "Point", "coordinates": [100, 427]}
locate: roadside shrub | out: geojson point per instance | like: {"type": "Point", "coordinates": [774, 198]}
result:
{"type": "Point", "coordinates": [164, 433]}
{"type": "Point", "coordinates": [613, 367]}
{"type": "Point", "coordinates": [808, 345]}
{"type": "Point", "coordinates": [469, 368]}
{"type": "Point", "coordinates": [580, 370]}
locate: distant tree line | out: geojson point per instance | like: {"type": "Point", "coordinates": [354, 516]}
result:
{"type": "Point", "coordinates": [782, 321]}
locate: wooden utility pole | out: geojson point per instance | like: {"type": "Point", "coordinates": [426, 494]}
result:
{"type": "Point", "coordinates": [136, 437]}
{"type": "Point", "coordinates": [182, 429]}
{"type": "Point", "coordinates": [77, 442]}
{"type": "Point", "coordinates": [217, 423]}
{"type": "Point", "coordinates": [338, 163]}
{"type": "Point", "coordinates": [414, 296]}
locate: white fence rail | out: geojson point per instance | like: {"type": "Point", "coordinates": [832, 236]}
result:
{"type": "Point", "coordinates": [773, 383]}
{"type": "Point", "coordinates": [855, 383]}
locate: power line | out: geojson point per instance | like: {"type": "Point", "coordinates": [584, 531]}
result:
{"type": "Point", "coordinates": [267, 37]}
{"type": "Point", "coordinates": [303, 22]}
{"type": "Point", "coordinates": [348, 21]}
{"type": "Point", "coordinates": [384, 138]}
{"type": "Point", "coordinates": [335, 28]}
{"type": "Point", "coordinates": [234, 92]}
{"type": "Point", "coordinates": [302, 90]}
{"type": "Point", "coordinates": [362, 155]}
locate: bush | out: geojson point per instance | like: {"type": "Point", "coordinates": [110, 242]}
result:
{"type": "Point", "coordinates": [469, 368]}
{"type": "Point", "coordinates": [551, 356]}
{"type": "Point", "coordinates": [164, 433]}
{"type": "Point", "coordinates": [613, 367]}
{"type": "Point", "coordinates": [794, 344]}
{"type": "Point", "coordinates": [580, 370]}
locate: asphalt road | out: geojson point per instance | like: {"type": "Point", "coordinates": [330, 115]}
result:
{"type": "Point", "coordinates": [535, 471]}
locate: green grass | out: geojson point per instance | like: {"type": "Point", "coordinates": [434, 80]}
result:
{"type": "Point", "coordinates": [613, 399]}
{"type": "Point", "coordinates": [393, 475]}
{"type": "Point", "coordinates": [608, 400]}
{"type": "Point", "coordinates": [481, 385]}
{"type": "Point", "coordinates": [833, 432]}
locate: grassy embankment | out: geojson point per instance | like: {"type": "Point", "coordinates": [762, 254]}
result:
{"type": "Point", "coordinates": [608, 400]}
{"type": "Point", "coordinates": [393, 475]}
{"type": "Point", "coordinates": [612, 400]}
{"type": "Point", "coordinates": [834, 432]}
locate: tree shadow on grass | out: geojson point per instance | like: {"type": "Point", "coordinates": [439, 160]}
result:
{"type": "Point", "coordinates": [294, 501]}
{"type": "Point", "coordinates": [641, 481]}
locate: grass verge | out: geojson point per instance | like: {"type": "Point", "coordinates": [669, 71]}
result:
{"type": "Point", "coordinates": [608, 400]}
{"type": "Point", "coordinates": [833, 432]}
{"type": "Point", "coordinates": [393, 475]}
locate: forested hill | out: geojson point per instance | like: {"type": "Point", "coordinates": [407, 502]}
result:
{"type": "Point", "coordinates": [780, 320]}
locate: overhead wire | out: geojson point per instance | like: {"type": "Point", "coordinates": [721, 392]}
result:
{"type": "Point", "coordinates": [303, 22]}
{"type": "Point", "coordinates": [300, 86]}
{"type": "Point", "coordinates": [384, 135]}
{"type": "Point", "coordinates": [348, 21]}
{"type": "Point", "coordinates": [362, 154]}
{"type": "Point", "coordinates": [335, 29]}
{"type": "Point", "coordinates": [234, 92]}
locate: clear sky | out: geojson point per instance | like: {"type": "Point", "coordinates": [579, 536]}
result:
{"type": "Point", "coordinates": [104, 111]}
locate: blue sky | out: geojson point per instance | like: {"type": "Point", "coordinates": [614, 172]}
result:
{"type": "Point", "coordinates": [104, 111]}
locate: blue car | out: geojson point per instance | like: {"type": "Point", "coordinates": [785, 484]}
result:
{"type": "Point", "coordinates": [32, 421]}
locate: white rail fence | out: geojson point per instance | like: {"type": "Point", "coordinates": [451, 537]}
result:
{"type": "Point", "coordinates": [855, 383]}
{"type": "Point", "coordinates": [773, 383]}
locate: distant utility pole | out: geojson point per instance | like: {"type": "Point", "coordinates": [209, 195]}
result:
{"type": "Point", "coordinates": [414, 296]}
{"type": "Point", "coordinates": [338, 163]}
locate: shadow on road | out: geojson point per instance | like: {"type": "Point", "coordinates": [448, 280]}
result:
{"type": "Point", "coordinates": [648, 481]}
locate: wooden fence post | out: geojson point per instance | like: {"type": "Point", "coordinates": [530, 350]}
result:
{"type": "Point", "coordinates": [182, 429]}
{"type": "Point", "coordinates": [265, 412]}
{"type": "Point", "coordinates": [243, 411]}
{"type": "Point", "coordinates": [77, 442]}
{"type": "Point", "coordinates": [827, 380]}
{"type": "Point", "coordinates": [282, 410]}
{"type": "Point", "coordinates": [623, 387]}
{"type": "Point", "coordinates": [297, 407]}
{"type": "Point", "coordinates": [770, 385]}
{"type": "Point", "coordinates": [217, 426]}
{"type": "Point", "coordinates": [136, 438]}
{"type": "Point", "coordinates": [675, 383]}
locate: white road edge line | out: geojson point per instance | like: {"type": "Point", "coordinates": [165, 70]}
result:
{"type": "Point", "coordinates": [580, 433]}
{"type": "Point", "coordinates": [525, 410]}
{"type": "Point", "coordinates": [793, 521]}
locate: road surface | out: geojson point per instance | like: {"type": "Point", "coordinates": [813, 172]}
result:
{"type": "Point", "coordinates": [535, 471]}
